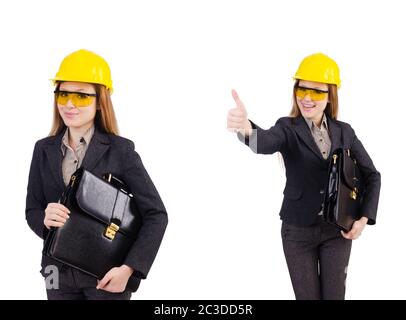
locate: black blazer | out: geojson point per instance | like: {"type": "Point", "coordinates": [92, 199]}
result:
{"type": "Point", "coordinates": [106, 153]}
{"type": "Point", "coordinates": [306, 169]}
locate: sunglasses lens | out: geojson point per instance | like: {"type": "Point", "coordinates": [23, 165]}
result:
{"type": "Point", "coordinates": [315, 95]}
{"type": "Point", "coordinates": [300, 93]}
{"type": "Point", "coordinates": [78, 99]}
{"type": "Point", "coordinates": [81, 100]}
{"type": "Point", "coordinates": [62, 98]}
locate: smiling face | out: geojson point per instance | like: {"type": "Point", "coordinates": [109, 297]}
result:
{"type": "Point", "coordinates": [312, 102]}
{"type": "Point", "coordinates": [71, 115]}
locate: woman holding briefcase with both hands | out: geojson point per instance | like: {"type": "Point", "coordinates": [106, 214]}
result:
{"type": "Point", "coordinates": [85, 133]}
{"type": "Point", "coordinates": [317, 253]}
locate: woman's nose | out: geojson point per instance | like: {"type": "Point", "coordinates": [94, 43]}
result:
{"type": "Point", "coordinates": [69, 104]}
{"type": "Point", "coordinates": [307, 97]}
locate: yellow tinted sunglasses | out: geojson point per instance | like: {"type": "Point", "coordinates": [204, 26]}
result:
{"type": "Point", "coordinates": [315, 94]}
{"type": "Point", "coordinates": [79, 99]}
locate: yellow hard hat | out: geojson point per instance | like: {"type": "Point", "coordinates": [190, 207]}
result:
{"type": "Point", "coordinates": [319, 68]}
{"type": "Point", "coordinates": [85, 66]}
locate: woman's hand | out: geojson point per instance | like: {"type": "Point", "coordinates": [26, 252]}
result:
{"type": "Point", "coordinates": [356, 229]}
{"type": "Point", "coordinates": [56, 215]}
{"type": "Point", "coordinates": [237, 118]}
{"type": "Point", "coordinates": [116, 279]}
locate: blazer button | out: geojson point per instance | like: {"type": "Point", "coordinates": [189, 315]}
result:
{"type": "Point", "coordinates": [321, 191]}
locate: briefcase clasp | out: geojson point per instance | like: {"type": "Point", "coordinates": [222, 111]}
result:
{"type": "Point", "coordinates": [353, 194]}
{"type": "Point", "coordinates": [111, 231]}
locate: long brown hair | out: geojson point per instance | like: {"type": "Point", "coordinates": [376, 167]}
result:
{"type": "Point", "coordinates": [332, 104]}
{"type": "Point", "coordinates": [105, 118]}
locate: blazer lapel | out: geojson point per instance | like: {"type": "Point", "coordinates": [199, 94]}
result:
{"type": "Point", "coordinates": [98, 145]}
{"type": "Point", "coordinates": [54, 155]}
{"type": "Point", "coordinates": [335, 134]}
{"type": "Point", "coordinates": [305, 135]}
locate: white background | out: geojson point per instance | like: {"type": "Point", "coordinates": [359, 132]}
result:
{"type": "Point", "coordinates": [173, 65]}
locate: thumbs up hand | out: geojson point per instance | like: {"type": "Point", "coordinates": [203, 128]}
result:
{"type": "Point", "coordinates": [237, 118]}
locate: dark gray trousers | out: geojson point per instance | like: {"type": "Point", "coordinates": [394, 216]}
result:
{"type": "Point", "coordinates": [317, 257]}
{"type": "Point", "coordinates": [76, 285]}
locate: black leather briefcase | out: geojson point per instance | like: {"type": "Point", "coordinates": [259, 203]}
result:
{"type": "Point", "coordinates": [344, 191]}
{"type": "Point", "coordinates": [102, 227]}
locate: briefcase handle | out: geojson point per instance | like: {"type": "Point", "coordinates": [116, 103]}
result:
{"type": "Point", "coordinates": [116, 182]}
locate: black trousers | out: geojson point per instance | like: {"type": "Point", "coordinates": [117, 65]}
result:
{"type": "Point", "coordinates": [76, 285]}
{"type": "Point", "coordinates": [317, 257]}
